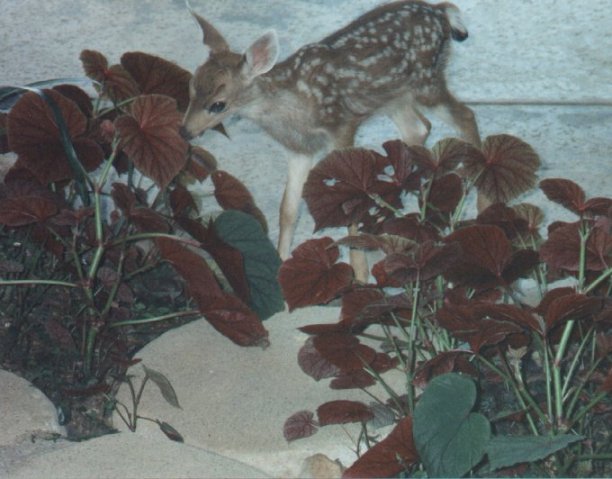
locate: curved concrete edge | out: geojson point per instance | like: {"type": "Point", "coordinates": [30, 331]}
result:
{"type": "Point", "coordinates": [236, 400]}
{"type": "Point", "coordinates": [129, 455]}
{"type": "Point", "coordinates": [25, 412]}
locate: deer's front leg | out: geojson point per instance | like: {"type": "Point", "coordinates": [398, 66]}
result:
{"type": "Point", "coordinates": [299, 167]}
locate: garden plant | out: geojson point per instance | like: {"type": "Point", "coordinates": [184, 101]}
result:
{"type": "Point", "coordinates": [507, 370]}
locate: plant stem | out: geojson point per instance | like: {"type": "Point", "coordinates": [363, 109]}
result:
{"type": "Point", "coordinates": [567, 332]}
{"type": "Point", "coordinates": [132, 322]}
{"type": "Point", "coordinates": [36, 282]}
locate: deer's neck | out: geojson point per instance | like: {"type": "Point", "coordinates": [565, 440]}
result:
{"type": "Point", "coordinates": [275, 103]}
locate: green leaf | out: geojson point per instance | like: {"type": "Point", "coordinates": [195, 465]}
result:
{"type": "Point", "coordinates": [450, 438]}
{"type": "Point", "coordinates": [505, 451]}
{"type": "Point", "coordinates": [261, 262]}
{"type": "Point", "coordinates": [170, 432]}
{"type": "Point", "coordinates": [164, 386]}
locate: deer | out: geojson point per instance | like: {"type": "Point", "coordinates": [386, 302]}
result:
{"type": "Point", "coordinates": [389, 61]}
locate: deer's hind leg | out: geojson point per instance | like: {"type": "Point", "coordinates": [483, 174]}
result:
{"type": "Point", "coordinates": [414, 128]}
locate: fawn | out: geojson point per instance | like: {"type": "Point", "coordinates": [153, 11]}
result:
{"type": "Point", "coordinates": [389, 61]}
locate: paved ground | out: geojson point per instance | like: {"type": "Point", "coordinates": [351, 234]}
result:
{"type": "Point", "coordinates": [549, 60]}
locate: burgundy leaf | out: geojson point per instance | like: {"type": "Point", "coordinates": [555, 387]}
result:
{"type": "Point", "coordinates": [506, 218]}
{"type": "Point", "coordinates": [200, 163]}
{"type": "Point", "coordinates": [232, 318]}
{"type": "Point", "coordinates": [229, 259]}
{"type": "Point", "coordinates": [154, 75]}
{"type": "Point", "coordinates": [34, 135]}
{"type": "Point", "coordinates": [445, 362]}
{"type": "Point", "coordinates": [357, 379]}
{"type": "Point", "coordinates": [343, 412]}
{"type": "Point", "coordinates": [344, 351]}
{"type": "Point", "coordinates": [410, 227]}
{"type": "Point", "coordinates": [558, 308]}
{"type": "Point", "coordinates": [231, 194]}
{"type": "Point", "coordinates": [311, 276]}
{"type": "Point", "coordinates": [445, 194]}
{"type": "Point", "coordinates": [565, 192]}
{"type": "Point", "coordinates": [170, 432]}
{"type": "Point", "coordinates": [25, 210]}
{"type": "Point", "coordinates": [486, 252]}
{"type": "Point", "coordinates": [389, 457]}
{"type": "Point", "coordinates": [60, 334]}
{"type": "Point", "coordinates": [314, 364]}
{"type": "Point", "coordinates": [338, 188]}
{"type": "Point", "coordinates": [506, 169]}
{"type": "Point", "coordinates": [116, 82]}
{"type": "Point", "coordinates": [479, 324]}
{"type": "Point", "coordinates": [562, 248]}
{"type": "Point", "coordinates": [150, 136]}
{"type": "Point", "coordinates": [300, 425]}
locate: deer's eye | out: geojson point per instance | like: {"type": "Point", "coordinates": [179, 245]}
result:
{"type": "Point", "coordinates": [217, 107]}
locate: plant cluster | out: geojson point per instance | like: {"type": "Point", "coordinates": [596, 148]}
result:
{"type": "Point", "coordinates": [100, 237]}
{"type": "Point", "coordinates": [496, 383]}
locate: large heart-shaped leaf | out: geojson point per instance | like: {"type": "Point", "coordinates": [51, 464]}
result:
{"type": "Point", "coordinates": [449, 438]}
{"type": "Point", "coordinates": [261, 262]}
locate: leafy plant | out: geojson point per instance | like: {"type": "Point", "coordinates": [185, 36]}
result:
{"type": "Point", "coordinates": [447, 308]}
{"type": "Point", "coordinates": [130, 416]}
{"type": "Point", "coordinates": [100, 237]}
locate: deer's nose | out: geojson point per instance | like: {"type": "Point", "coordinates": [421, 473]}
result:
{"type": "Point", "coordinates": [185, 133]}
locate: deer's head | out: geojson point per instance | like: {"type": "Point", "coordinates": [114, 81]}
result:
{"type": "Point", "coordinates": [220, 86]}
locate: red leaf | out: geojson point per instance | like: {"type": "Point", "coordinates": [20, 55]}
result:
{"type": "Point", "coordinates": [149, 221]}
{"type": "Point", "coordinates": [479, 324]}
{"type": "Point", "coordinates": [116, 82]}
{"type": "Point", "coordinates": [562, 248]}
{"type": "Point", "coordinates": [232, 318]}
{"type": "Point", "coordinates": [60, 334]}
{"type": "Point", "coordinates": [200, 280]}
{"type": "Point", "coordinates": [505, 218]}
{"type": "Point", "coordinates": [25, 210]}
{"type": "Point", "coordinates": [565, 192]}
{"type": "Point", "coordinates": [410, 227]}
{"type": "Point", "coordinates": [155, 75]}
{"type": "Point", "coordinates": [150, 136]}
{"type": "Point", "coordinates": [25, 202]}
{"type": "Point", "coordinates": [182, 202]}
{"type": "Point", "coordinates": [78, 96]}
{"type": "Point", "coordinates": [355, 305]}
{"type": "Point", "coordinates": [445, 194]}
{"type": "Point", "coordinates": [389, 457]}
{"type": "Point", "coordinates": [229, 259]}
{"type": "Point", "coordinates": [338, 188]}
{"type": "Point", "coordinates": [445, 362]}
{"type": "Point", "coordinates": [357, 379]}
{"type": "Point", "coordinates": [425, 261]}
{"type": "Point", "coordinates": [344, 351]}
{"type": "Point", "coordinates": [231, 194]}
{"type": "Point", "coordinates": [299, 425]}
{"type": "Point", "coordinates": [343, 412]}
{"type": "Point", "coordinates": [506, 169]}
{"type": "Point", "coordinates": [200, 163]}
{"type": "Point", "coordinates": [311, 276]}
{"type": "Point", "coordinates": [486, 252]}
{"type": "Point", "coordinates": [533, 216]}
{"type": "Point", "coordinates": [35, 137]}
{"type": "Point", "coordinates": [561, 308]}
{"type": "Point", "coordinates": [314, 364]}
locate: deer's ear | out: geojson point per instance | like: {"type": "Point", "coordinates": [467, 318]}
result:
{"type": "Point", "coordinates": [212, 38]}
{"type": "Point", "coordinates": [261, 56]}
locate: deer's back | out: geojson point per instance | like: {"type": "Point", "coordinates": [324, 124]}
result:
{"type": "Point", "coordinates": [395, 49]}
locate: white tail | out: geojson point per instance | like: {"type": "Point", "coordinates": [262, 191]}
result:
{"type": "Point", "coordinates": [389, 61]}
